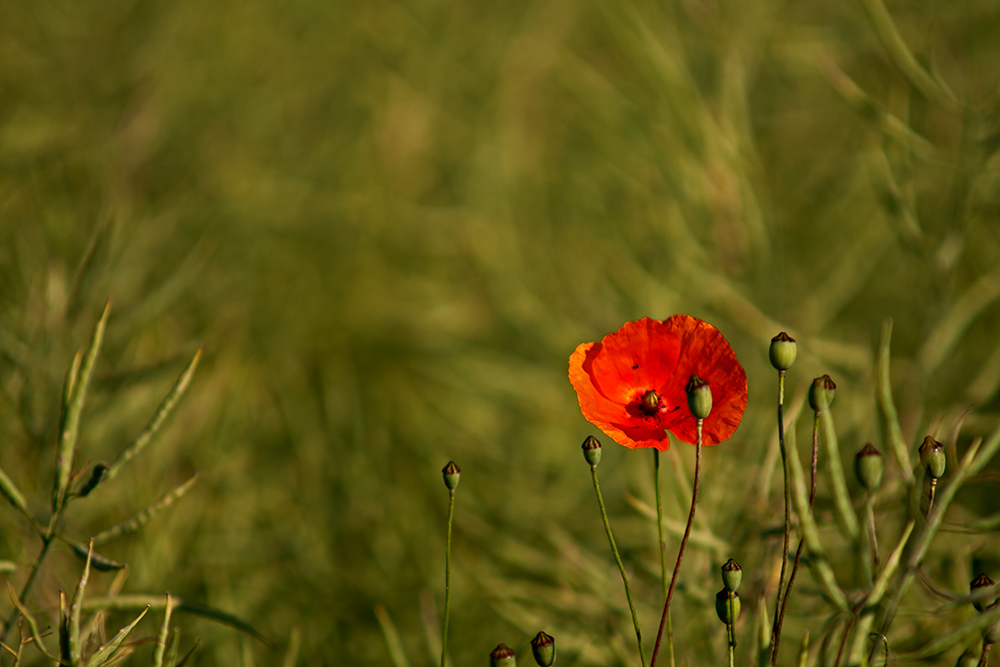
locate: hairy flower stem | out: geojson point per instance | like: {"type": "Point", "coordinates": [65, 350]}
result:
{"type": "Point", "coordinates": [663, 548]}
{"type": "Point", "coordinates": [680, 551]}
{"type": "Point", "coordinates": [776, 630]}
{"type": "Point", "coordinates": [447, 577]}
{"type": "Point", "coordinates": [618, 559]}
{"type": "Point", "coordinates": [731, 629]}
{"type": "Point", "coordinates": [984, 659]}
{"type": "Point", "coordinates": [930, 498]}
{"type": "Point", "coordinates": [812, 499]}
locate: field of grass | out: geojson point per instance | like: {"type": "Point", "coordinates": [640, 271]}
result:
{"type": "Point", "coordinates": [390, 222]}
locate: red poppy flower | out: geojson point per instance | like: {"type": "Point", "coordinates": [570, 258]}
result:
{"type": "Point", "coordinates": [631, 385]}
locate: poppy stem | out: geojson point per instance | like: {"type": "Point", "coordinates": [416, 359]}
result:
{"type": "Point", "coordinates": [812, 499]}
{"type": "Point", "coordinates": [680, 551]}
{"type": "Point", "coordinates": [447, 577]}
{"type": "Point", "coordinates": [930, 498]}
{"type": "Point", "coordinates": [618, 559]}
{"type": "Point", "coordinates": [985, 657]}
{"type": "Point", "coordinates": [731, 627]}
{"type": "Point", "coordinates": [663, 548]}
{"type": "Point", "coordinates": [776, 630]}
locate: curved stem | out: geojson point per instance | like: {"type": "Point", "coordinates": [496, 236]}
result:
{"type": "Point", "coordinates": [447, 577]}
{"type": "Point", "coordinates": [618, 559]}
{"type": "Point", "coordinates": [776, 630]}
{"type": "Point", "coordinates": [680, 552]}
{"type": "Point", "coordinates": [663, 548]}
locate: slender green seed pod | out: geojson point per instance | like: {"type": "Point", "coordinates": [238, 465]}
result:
{"type": "Point", "coordinates": [732, 575]}
{"type": "Point", "coordinates": [821, 393]}
{"type": "Point", "coordinates": [592, 451]}
{"type": "Point", "coordinates": [932, 457]}
{"type": "Point", "coordinates": [543, 647]}
{"type": "Point", "coordinates": [451, 474]}
{"type": "Point", "coordinates": [699, 397]}
{"type": "Point", "coordinates": [502, 657]}
{"type": "Point", "coordinates": [783, 351]}
{"type": "Point", "coordinates": [869, 464]}
{"type": "Point", "coordinates": [722, 606]}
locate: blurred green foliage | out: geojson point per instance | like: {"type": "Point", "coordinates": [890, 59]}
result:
{"type": "Point", "coordinates": [390, 222]}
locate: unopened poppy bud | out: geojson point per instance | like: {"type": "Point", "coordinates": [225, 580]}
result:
{"type": "Point", "coordinates": [932, 457]}
{"type": "Point", "coordinates": [592, 450]}
{"type": "Point", "coordinates": [96, 477]}
{"type": "Point", "coordinates": [722, 606]}
{"type": "Point", "coordinates": [981, 581]}
{"type": "Point", "coordinates": [968, 659]}
{"type": "Point", "coordinates": [868, 466]}
{"type": "Point", "coordinates": [451, 474]}
{"type": "Point", "coordinates": [502, 657]}
{"type": "Point", "coordinates": [699, 397]}
{"type": "Point", "coordinates": [821, 393]}
{"type": "Point", "coordinates": [783, 351]}
{"type": "Point", "coordinates": [732, 575]}
{"type": "Point", "coordinates": [543, 647]}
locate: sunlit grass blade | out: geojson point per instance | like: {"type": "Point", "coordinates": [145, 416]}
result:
{"type": "Point", "coordinates": [70, 426]}
{"type": "Point", "coordinates": [162, 412]}
{"type": "Point", "coordinates": [76, 608]}
{"type": "Point", "coordinates": [133, 602]}
{"type": "Point", "coordinates": [102, 655]}
{"type": "Point", "coordinates": [392, 641]}
{"type": "Point", "coordinates": [36, 636]}
{"type": "Point", "coordinates": [161, 637]}
{"type": "Point", "coordinates": [892, 434]}
{"type": "Point", "coordinates": [139, 520]}
{"type": "Point", "coordinates": [294, 642]}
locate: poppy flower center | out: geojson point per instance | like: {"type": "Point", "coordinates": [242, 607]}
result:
{"type": "Point", "coordinates": [649, 403]}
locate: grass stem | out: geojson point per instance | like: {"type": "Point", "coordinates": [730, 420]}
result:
{"type": "Point", "coordinates": [663, 548]}
{"type": "Point", "coordinates": [776, 630]}
{"type": "Point", "coordinates": [447, 577]}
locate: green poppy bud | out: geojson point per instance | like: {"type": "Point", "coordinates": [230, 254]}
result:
{"type": "Point", "coordinates": [502, 657]}
{"type": "Point", "coordinates": [699, 397]}
{"type": "Point", "coordinates": [868, 466]}
{"type": "Point", "coordinates": [821, 393]}
{"type": "Point", "coordinates": [932, 457]}
{"type": "Point", "coordinates": [981, 581]}
{"type": "Point", "coordinates": [783, 351]}
{"type": "Point", "coordinates": [451, 474]}
{"type": "Point", "coordinates": [968, 659]}
{"type": "Point", "coordinates": [543, 647]}
{"type": "Point", "coordinates": [722, 606]}
{"type": "Point", "coordinates": [732, 575]}
{"type": "Point", "coordinates": [592, 451]}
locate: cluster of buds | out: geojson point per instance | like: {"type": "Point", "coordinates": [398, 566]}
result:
{"type": "Point", "coordinates": [543, 648]}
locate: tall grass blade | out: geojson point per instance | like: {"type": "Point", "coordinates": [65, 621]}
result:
{"type": "Point", "coordinates": [392, 642]}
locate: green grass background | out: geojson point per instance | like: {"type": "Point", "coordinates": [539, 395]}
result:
{"type": "Point", "coordinates": [390, 222]}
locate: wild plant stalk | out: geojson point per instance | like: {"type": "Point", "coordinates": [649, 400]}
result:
{"type": "Point", "coordinates": [447, 576]}
{"type": "Point", "coordinates": [663, 548]}
{"type": "Point", "coordinates": [621, 566]}
{"type": "Point", "coordinates": [776, 630]}
{"type": "Point", "coordinates": [680, 551]}
{"type": "Point", "coordinates": [731, 630]}
{"type": "Point", "coordinates": [812, 500]}
{"type": "Point", "coordinates": [985, 657]}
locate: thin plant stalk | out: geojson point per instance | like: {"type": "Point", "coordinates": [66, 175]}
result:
{"type": "Point", "coordinates": [776, 631]}
{"type": "Point", "coordinates": [621, 566]}
{"type": "Point", "coordinates": [447, 577]}
{"type": "Point", "coordinates": [812, 500]}
{"type": "Point", "coordinates": [930, 497]}
{"type": "Point", "coordinates": [680, 551]}
{"type": "Point", "coordinates": [984, 659]}
{"type": "Point", "coordinates": [731, 629]}
{"type": "Point", "coordinates": [663, 548]}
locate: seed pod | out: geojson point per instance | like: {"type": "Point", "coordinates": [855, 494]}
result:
{"type": "Point", "coordinates": [783, 351]}
{"type": "Point", "coordinates": [502, 657]}
{"type": "Point", "coordinates": [821, 393]}
{"type": "Point", "coordinates": [981, 581]}
{"type": "Point", "coordinates": [722, 606]}
{"type": "Point", "coordinates": [932, 457]}
{"type": "Point", "coordinates": [592, 451]}
{"type": "Point", "coordinates": [732, 575]}
{"type": "Point", "coordinates": [868, 466]}
{"type": "Point", "coordinates": [451, 474]}
{"type": "Point", "coordinates": [543, 647]}
{"type": "Point", "coordinates": [699, 397]}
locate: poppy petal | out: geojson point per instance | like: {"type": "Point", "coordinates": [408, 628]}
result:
{"type": "Point", "coordinates": [640, 356]}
